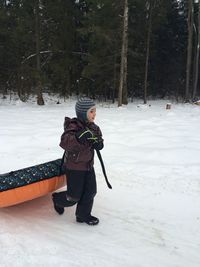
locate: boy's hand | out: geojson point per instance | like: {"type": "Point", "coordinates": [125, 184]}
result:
{"type": "Point", "coordinates": [86, 135]}
{"type": "Point", "coordinates": [98, 145]}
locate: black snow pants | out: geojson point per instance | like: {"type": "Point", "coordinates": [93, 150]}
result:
{"type": "Point", "coordinates": [81, 189]}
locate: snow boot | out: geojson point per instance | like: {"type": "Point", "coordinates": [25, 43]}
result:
{"type": "Point", "coordinates": [91, 220]}
{"type": "Point", "coordinates": [60, 210]}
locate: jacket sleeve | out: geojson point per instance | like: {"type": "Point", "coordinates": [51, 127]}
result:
{"type": "Point", "coordinates": [69, 142]}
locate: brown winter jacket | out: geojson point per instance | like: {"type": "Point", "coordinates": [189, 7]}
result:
{"type": "Point", "coordinates": [78, 156]}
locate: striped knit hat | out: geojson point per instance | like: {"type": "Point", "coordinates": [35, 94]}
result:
{"type": "Point", "coordinates": [82, 106]}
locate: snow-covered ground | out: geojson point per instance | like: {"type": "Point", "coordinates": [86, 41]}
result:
{"type": "Point", "coordinates": [151, 217]}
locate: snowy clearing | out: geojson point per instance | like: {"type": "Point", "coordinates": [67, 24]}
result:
{"type": "Point", "coordinates": [151, 217]}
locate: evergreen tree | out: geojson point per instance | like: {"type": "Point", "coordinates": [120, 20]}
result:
{"type": "Point", "coordinates": [168, 66]}
{"type": "Point", "coordinates": [102, 28]}
{"type": "Point", "coordinates": [78, 48]}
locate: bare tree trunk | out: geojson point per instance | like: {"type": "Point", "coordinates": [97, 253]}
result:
{"type": "Point", "coordinates": [40, 100]}
{"type": "Point", "coordinates": [189, 49]}
{"type": "Point", "coordinates": [147, 50]}
{"type": "Point", "coordinates": [114, 79]}
{"type": "Point", "coordinates": [124, 94]}
{"type": "Point", "coordinates": [19, 84]}
{"type": "Point", "coordinates": [196, 75]}
{"type": "Point", "coordinates": [123, 66]}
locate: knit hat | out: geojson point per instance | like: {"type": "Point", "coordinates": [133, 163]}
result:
{"type": "Point", "coordinates": [82, 106]}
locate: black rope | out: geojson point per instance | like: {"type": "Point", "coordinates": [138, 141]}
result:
{"type": "Point", "coordinates": [61, 165]}
{"type": "Point", "coordinates": [103, 168]}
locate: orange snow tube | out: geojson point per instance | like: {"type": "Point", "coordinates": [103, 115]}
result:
{"type": "Point", "coordinates": [29, 183]}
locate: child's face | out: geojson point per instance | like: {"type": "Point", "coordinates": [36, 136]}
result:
{"type": "Point", "coordinates": [91, 115]}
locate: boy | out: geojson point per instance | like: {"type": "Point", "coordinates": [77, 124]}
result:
{"type": "Point", "coordinates": [81, 136]}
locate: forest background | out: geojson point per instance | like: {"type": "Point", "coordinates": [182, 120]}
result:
{"type": "Point", "coordinates": [106, 49]}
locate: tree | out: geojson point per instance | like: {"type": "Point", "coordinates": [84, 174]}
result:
{"type": "Point", "coordinates": [122, 96]}
{"type": "Point", "coordinates": [189, 49]}
{"type": "Point", "coordinates": [62, 69]}
{"type": "Point", "coordinates": [101, 30]}
{"type": "Point", "coordinates": [196, 74]}
{"type": "Point", "coordinates": [40, 100]}
{"type": "Point", "coordinates": [167, 73]}
{"type": "Point", "coordinates": [89, 47]}
{"type": "Point", "coordinates": [150, 10]}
